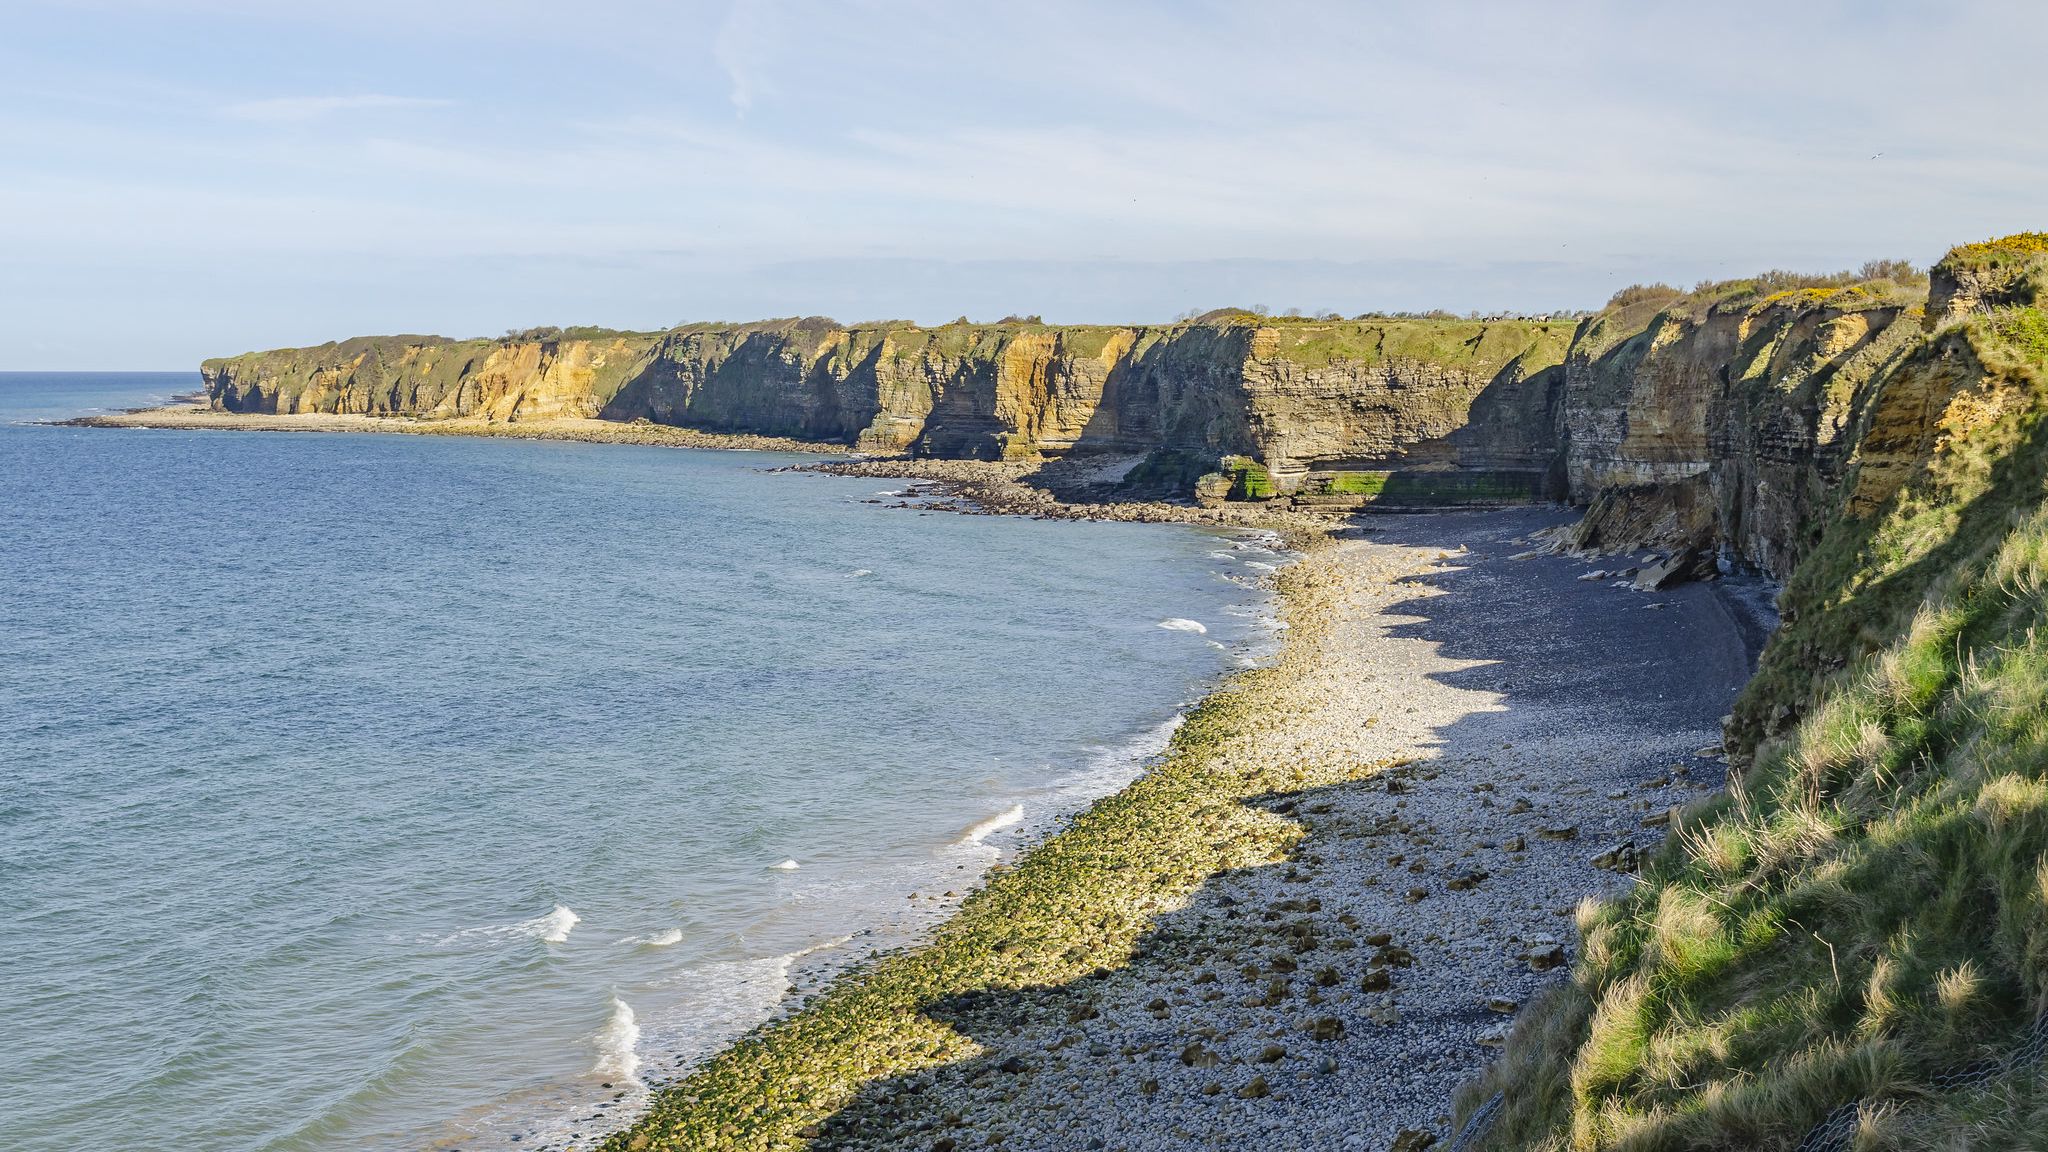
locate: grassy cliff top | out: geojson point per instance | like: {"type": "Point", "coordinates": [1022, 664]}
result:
{"type": "Point", "coordinates": [1862, 914]}
{"type": "Point", "coordinates": [2011, 271]}
{"type": "Point", "coordinates": [2019, 245]}
{"type": "Point", "coordinates": [1480, 345]}
{"type": "Point", "coordinates": [1638, 308]}
{"type": "Point", "coordinates": [336, 352]}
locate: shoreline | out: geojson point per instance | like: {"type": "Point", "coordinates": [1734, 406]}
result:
{"type": "Point", "coordinates": [1232, 947]}
{"type": "Point", "coordinates": [970, 487]}
{"type": "Point", "coordinates": [1040, 813]}
{"type": "Point", "coordinates": [1109, 986]}
{"type": "Point", "coordinates": [192, 413]}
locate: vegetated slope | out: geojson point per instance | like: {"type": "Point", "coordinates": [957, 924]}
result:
{"type": "Point", "coordinates": [1865, 911]}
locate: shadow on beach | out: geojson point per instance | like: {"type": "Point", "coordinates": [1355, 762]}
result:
{"type": "Point", "coordinates": [1337, 996]}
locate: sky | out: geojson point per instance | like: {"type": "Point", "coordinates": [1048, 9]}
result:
{"type": "Point", "coordinates": [190, 178]}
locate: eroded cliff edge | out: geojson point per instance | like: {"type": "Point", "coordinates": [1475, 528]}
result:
{"type": "Point", "coordinates": [1719, 423]}
{"type": "Point", "coordinates": [1851, 944]}
{"type": "Point", "coordinates": [1292, 395]}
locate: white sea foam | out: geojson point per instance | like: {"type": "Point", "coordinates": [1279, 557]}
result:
{"type": "Point", "coordinates": [618, 1044]}
{"type": "Point", "coordinates": [552, 928]}
{"type": "Point", "coordinates": [1262, 565]}
{"type": "Point", "coordinates": [658, 940]}
{"type": "Point", "coordinates": [694, 1013]}
{"type": "Point", "coordinates": [1180, 624]}
{"type": "Point", "coordinates": [857, 573]}
{"type": "Point", "coordinates": [1008, 818]}
{"type": "Point", "coordinates": [785, 866]}
{"type": "Point", "coordinates": [1114, 766]}
{"type": "Point", "coordinates": [713, 1004]}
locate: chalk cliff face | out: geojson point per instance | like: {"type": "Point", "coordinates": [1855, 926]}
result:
{"type": "Point", "coordinates": [1294, 393]}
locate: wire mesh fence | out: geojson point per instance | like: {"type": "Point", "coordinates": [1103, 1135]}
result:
{"type": "Point", "coordinates": [1832, 1133]}
{"type": "Point", "coordinates": [1477, 1124]}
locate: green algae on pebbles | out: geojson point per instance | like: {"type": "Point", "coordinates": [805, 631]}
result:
{"type": "Point", "coordinates": [1221, 951]}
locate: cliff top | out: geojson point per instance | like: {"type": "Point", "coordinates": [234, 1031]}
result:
{"type": "Point", "coordinates": [1634, 309]}
{"type": "Point", "coordinates": [2011, 271]}
{"type": "Point", "coordinates": [1311, 341]}
{"type": "Point", "coordinates": [2019, 244]}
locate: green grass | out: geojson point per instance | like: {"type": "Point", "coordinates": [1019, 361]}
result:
{"type": "Point", "coordinates": [1427, 489]}
{"type": "Point", "coordinates": [1249, 479]}
{"type": "Point", "coordinates": [1356, 484]}
{"type": "Point", "coordinates": [2017, 246]}
{"type": "Point", "coordinates": [1484, 348]}
{"type": "Point", "coordinates": [1867, 907]}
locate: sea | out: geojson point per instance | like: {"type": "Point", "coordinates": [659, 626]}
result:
{"type": "Point", "coordinates": [388, 792]}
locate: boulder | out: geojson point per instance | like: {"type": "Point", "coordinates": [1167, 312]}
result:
{"type": "Point", "coordinates": [1673, 570]}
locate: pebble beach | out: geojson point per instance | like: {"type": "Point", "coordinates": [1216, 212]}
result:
{"type": "Point", "coordinates": [1317, 916]}
{"type": "Point", "coordinates": [1383, 839]}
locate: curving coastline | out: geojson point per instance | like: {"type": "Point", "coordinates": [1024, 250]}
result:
{"type": "Point", "coordinates": [1300, 927]}
{"type": "Point", "coordinates": [1235, 943]}
{"type": "Point", "coordinates": [1873, 437]}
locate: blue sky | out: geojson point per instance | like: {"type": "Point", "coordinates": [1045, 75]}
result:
{"type": "Point", "coordinates": [184, 178]}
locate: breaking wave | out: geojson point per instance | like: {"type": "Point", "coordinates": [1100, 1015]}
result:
{"type": "Point", "coordinates": [552, 928]}
{"type": "Point", "coordinates": [618, 1044]}
{"type": "Point", "coordinates": [1007, 818]}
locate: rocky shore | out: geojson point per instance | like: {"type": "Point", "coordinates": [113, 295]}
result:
{"type": "Point", "coordinates": [1314, 919]}
{"type": "Point", "coordinates": [1086, 487]}
{"type": "Point", "coordinates": [1307, 926]}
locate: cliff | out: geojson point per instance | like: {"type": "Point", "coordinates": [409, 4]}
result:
{"type": "Point", "coordinates": [1296, 394]}
{"type": "Point", "coordinates": [1721, 424]}
{"type": "Point", "coordinates": [1850, 944]}
{"type": "Point", "coordinates": [1724, 420]}
{"type": "Point", "coordinates": [1849, 948]}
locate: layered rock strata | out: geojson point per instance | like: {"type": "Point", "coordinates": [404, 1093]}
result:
{"type": "Point", "coordinates": [1295, 394]}
{"type": "Point", "coordinates": [1730, 421]}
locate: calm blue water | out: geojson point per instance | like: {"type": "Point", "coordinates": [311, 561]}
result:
{"type": "Point", "coordinates": [365, 792]}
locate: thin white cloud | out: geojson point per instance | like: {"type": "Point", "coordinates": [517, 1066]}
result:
{"type": "Point", "coordinates": [925, 157]}
{"type": "Point", "coordinates": [739, 47]}
{"type": "Point", "coordinates": [294, 108]}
